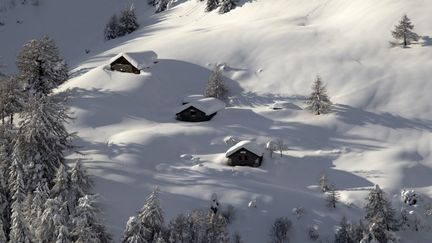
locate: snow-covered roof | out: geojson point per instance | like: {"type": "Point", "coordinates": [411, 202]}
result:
{"type": "Point", "coordinates": [248, 145]}
{"type": "Point", "coordinates": [192, 98]}
{"type": "Point", "coordinates": [140, 60]}
{"type": "Point", "coordinates": [284, 105]}
{"type": "Point", "coordinates": [207, 105]}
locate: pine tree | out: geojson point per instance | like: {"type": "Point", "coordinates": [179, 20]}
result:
{"type": "Point", "coordinates": [404, 31]}
{"type": "Point", "coordinates": [63, 235]}
{"type": "Point", "coordinates": [159, 239]}
{"type": "Point", "coordinates": [86, 225]}
{"type": "Point", "coordinates": [2, 231]}
{"type": "Point", "coordinates": [151, 215]}
{"type": "Point", "coordinates": [128, 21]}
{"type": "Point", "coordinates": [37, 207]}
{"type": "Point", "coordinates": [324, 182]}
{"type": "Point", "coordinates": [62, 184]}
{"type": "Point", "coordinates": [6, 135]}
{"type": "Point", "coordinates": [379, 210]}
{"type": "Point", "coordinates": [53, 217]}
{"type": "Point", "coordinates": [81, 183]}
{"type": "Point", "coordinates": [178, 228]}
{"type": "Point", "coordinates": [40, 67]}
{"type": "Point", "coordinates": [279, 230]}
{"type": "Point", "coordinates": [332, 197]}
{"type": "Point", "coordinates": [212, 5]}
{"type": "Point", "coordinates": [19, 232]}
{"type": "Point", "coordinates": [216, 87]}
{"type": "Point", "coordinates": [357, 231]}
{"type": "Point", "coordinates": [42, 139]}
{"type": "Point", "coordinates": [134, 232]}
{"type": "Point", "coordinates": [112, 28]}
{"type": "Point", "coordinates": [11, 99]}
{"type": "Point", "coordinates": [227, 5]}
{"type": "Point", "coordinates": [343, 234]}
{"type": "Point", "coordinates": [318, 101]}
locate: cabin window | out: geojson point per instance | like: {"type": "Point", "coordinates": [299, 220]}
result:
{"type": "Point", "coordinates": [193, 112]}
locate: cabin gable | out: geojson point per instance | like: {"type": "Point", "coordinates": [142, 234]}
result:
{"type": "Point", "coordinates": [121, 64]}
{"type": "Point", "coordinates": [192, 114]}
{"type": "Point", "coordinates": [244, 157]}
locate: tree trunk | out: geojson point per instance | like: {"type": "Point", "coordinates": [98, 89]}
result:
{"type": "Point", "coordinates": [11, 119]}
{"type": "Point", "coordinates": [405, 41]}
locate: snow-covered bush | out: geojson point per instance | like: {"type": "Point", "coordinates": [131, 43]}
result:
{"type": "Point", "coordinates": [410, 197]}
{"type": "Point", "coordinates": [279, 230]}
{"type": "Point", "coordinates": [312, 232]}
{"type": "Point", "coordinates": [299, 212]}
{"type": "Point", "coordinates": [229, 213]}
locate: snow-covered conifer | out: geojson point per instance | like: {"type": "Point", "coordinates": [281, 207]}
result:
{"type": "Point", "coordinates": [42, 138]}
{"type": "Point", "coordinates": [227, 5]}
{"type": "Point", "coordinates": [318, 101]}
{"type": "Point", "coordinates": [134, 232]}
{"type": "Point", "coordinates": [151, 215]}
{"type": "Point", "coordinates": [80, 182]}
{"type": "Point", "coordinates": [127, 21]}
{"type": "Point", "coordinates": [161, 5]}
{"type": "Point", "coordinates": [332, 197]}
{"type": "Point", "coordinates": [324, 182]}
{"type": "Point", "coordinates": [19, 232]}
{"type": "Point", "coordinates": [37, 207]}
{"type": "Point", "coordinates": [357, 231]}
{"type": "Point", "coordinates": [159, 239]}
{"type": "Point", "coordinates": [11, 99]}
{"type": "Point", "coordinates": [178, 228]}
{"type": "Point", "coordinates": [214, 203]}
{"type": "Point", "coordinates": [279, 230]}
{"type": "Point", "coordinates": [40, 67]}
{"type": "Point", "coordinates": [112, 28]}
{"type": "Point", "coordinates": [53, 218]}
{"type": "Point", "coordinates": [404, 31]}
{"type": "Point", "coordinates": [379, 210]}
{"type": "Point", "coordinates": [2, 231]}
{"type": "Point", "coordinates": [212, 5]}
{"type": "Point", "coordinates": [62, 183]}
{"type": "Point", "coordinates": [63, 235]}
{"type": "Point", "coordinates": [343, 233]}
{"type": "Point", "coordinates": [86, 224]}
{"type": "Point", "coordinates": [216, 87]}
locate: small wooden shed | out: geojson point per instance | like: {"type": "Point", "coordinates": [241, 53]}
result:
{"type": "Point", "coordinates": [245, 153]}
{"type": "Point", "coordinates": [133, 62]}
{"type": "Point", "coordinates": [199, 110]}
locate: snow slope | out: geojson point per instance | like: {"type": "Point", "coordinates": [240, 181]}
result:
{"type": "Point", "coordinates": [380, 131]}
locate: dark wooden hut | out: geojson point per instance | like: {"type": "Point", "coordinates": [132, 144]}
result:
{"type": "Point", "coordinates": [199, 110]}
{"type": "Point", "coordinates": [245, 153]}
{"type": "Point", "coordinates": [133, 62]}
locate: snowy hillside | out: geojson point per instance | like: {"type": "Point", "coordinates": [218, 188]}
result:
{"type": "Point", "coordinates": [379, 133]}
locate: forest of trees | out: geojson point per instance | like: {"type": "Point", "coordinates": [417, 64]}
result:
{"type": "Point", "coordinates": [42, 198]}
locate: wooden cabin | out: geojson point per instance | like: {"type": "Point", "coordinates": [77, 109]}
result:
{"type": "Point", "coordinates": [133, 62]}
{"type": "Point", "coordinates": [199, 110]}
{"type": "Point", "coordinates": [245, 153]}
